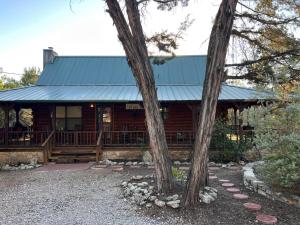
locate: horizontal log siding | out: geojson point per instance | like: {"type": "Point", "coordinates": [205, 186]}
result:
{"type": "Point", "coordinates": [41, 117]}
{"type": "Point", "coordinates": [88, 118]}
{"type": "Point", "coordinates": [128, 119]}
{"type": "Point", "coordinates": [180, 118]}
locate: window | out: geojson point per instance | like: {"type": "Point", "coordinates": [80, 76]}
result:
{"type": "Point", "coordinates": [164, 112]}
{"type": "Point", "coordinates": [68, 118]}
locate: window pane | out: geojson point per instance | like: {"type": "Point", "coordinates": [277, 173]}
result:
{"type": "Point", "coordinates": [74, 123]}
{"type": "Point", "coordinates": [60, 112]}
{"type": "Point", "coordinates": [60, 124]}
{"type": "Point", "coordinates": [107, 115]}
{"type": "Point", "coordinates": [74, 111]}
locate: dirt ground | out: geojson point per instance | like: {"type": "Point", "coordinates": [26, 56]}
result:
{"type": "Point", "coordinates": [87, 196]}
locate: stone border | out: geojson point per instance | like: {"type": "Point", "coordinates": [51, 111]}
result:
{"type": "Point", "coordinates": [253, 183]}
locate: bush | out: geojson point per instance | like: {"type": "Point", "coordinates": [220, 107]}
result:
{"type": "Point", "coordinates": [178, 174]}
{"type": "Point", "coordinates": [229, 149]}
{"type": "Point", "coordinates": [277, 136]}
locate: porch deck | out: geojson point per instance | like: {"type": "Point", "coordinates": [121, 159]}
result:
{"type": "Point", "coordinates": [73, 146]}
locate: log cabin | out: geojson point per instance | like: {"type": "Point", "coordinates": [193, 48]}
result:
{"type": "Point", "coordinates": [89, 108]}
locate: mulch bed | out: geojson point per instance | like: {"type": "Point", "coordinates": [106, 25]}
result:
{"type": "Point", "coordinates": [226, 209]}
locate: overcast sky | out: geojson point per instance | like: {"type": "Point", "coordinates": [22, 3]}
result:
{"type": "Point", "coordinates": [29, 26]}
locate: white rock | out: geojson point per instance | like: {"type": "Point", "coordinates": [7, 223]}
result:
{"type": "Point", "coordinates": [151, 187]}
{"type": "Point", "coordinates": [172, 198]}
{"type": "Point", "coordinates": [206, 198]}
{"type": "Point", "coordinates": [174, 204]}
{"type": "Point", "coordinates": [124, 184]}
{"type": "Point", "coordinates": [152, 198]}
{"type": "Point", "coordinates": [142, 184]}
{"type": "Point", "coordinates": [210, 189]}
{"type": "Point", "coordinates": [108, 162]}
{"type": "Point", "coordinates": [148, 205]}
{"type": "Point", "coordinates": [134, 163]}
{"type": "Point", "coordinates": [159, 203]}
{"type": "Point", "coordinates": [177, 163]}
{"type": "Point", "coordinates": [142, 203]}
{"type": "Point", "coordinates": [138, 177]}
{"type": "Point", "coordinates": [128, 163]}
{"type": "Point", "coordinates": [132, 188]}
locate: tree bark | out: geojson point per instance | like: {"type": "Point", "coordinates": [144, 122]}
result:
{"type": "Point", "coordinates": [133, 41]}
{"type": "Point", "coordinates": [214, 76]}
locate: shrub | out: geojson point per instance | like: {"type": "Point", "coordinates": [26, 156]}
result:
{"type": "Point", "coordinates": [277, 136]}
{"type": "Point", "coordinates": [229, 149]}
{"type": "Point", "coordinates": [178, 174]}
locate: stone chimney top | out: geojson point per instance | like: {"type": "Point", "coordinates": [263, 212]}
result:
{"type": "Point", "coordinates": [48, 56]}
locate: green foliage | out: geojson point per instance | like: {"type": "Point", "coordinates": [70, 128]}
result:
{"type": "Point", "coordinates": [29, 77]}
{"type": "Point", "coordinates": [277, 136]}
{"type": "Point", "coordinates": [228, 143]}
{"type": "Point", "coordinates": [178, 174]}
{"type": "Point", "coordinates": [8, 83]}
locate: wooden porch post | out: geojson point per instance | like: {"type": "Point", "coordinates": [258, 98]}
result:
{"type": "Point", "coordinates": [17, 109]}
{"type": "Point", "coordinates": [6, 124]}
{"type": "Point", "coordinates": [99, 112]}
{"type": "Point", "coordinates": [52, 115]}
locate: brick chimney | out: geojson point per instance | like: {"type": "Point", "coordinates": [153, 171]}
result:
{"type": "Point", "coordinates": [48, 56]}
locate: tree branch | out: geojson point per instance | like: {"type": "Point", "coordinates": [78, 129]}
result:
{"type": "Point", "coordinates": [265, 21]}
{"type": "Point", "coordinates": [294, 52]}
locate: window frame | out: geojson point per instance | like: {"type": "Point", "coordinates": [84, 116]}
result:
{"type": "Point", "coordinates": [65, 118]}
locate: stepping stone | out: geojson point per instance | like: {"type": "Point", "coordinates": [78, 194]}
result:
{"type": "Point", "coordinates": [252, 206]}
{"type": "Point", "coordinates": [240, 196]}
{"type": "Point", "coordinates": [266, 219]}
{"type": "Point", "coordinates": [232, 190]}
{"type": "Point", "coordinates": [212, 177]}
{"type": "Point", "coordinates": [227, 184]}
{"type": "Point", "coordinates": [224, 181]}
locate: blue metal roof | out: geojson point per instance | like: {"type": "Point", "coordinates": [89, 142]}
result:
{"type": "Point", "coordinates": [114, 70]}
{"type": "Point", "coordinates": [109, 79]}
{"type": "Point", "coordinates": [118, 93]}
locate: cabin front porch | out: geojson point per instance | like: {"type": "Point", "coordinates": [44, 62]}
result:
{"type": "Point", "coordinates": [88, 131]}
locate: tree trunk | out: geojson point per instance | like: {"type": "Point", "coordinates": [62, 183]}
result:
{"type": "Point", "coordinates": [214, 76]}
{"type": "Point", "coordinates": [133, 41]}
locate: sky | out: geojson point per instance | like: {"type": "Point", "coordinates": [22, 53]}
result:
{"type": "Point", "coordinates": [27, 27]}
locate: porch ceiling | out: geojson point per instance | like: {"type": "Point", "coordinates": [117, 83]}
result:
{"type": "Point", "coordinates": [119, 93]}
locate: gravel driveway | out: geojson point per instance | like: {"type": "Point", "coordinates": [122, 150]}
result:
{"type": "Point", "coordinates": [65, 197]}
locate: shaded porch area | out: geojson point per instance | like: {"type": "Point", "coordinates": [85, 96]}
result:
{"type": "Point", "coordinates": [95, 131]}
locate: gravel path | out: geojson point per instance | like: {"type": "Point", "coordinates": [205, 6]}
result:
{"type": "Point", "coordinates": [94, 197]}
{"type": "Point", "coordinates": [81, 197]}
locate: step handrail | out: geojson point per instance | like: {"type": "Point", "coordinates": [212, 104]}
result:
{"type": "Point", "coordinates": [47, 147]}
{"type": "Point", "coordinates": [48, 138]}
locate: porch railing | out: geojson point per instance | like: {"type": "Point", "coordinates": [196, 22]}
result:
{"type": "Point", "coordinates": [76, 138]}
{"type": "Point", "coordinates": [140, 138]}
{"type": "Point", "coordinates": [24, 138]}
{"type": "Point", "coordinates": [115, 138]}
{"type": "Point", "coordinates": [111, 138]}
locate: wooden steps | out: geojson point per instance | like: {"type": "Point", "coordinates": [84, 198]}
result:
{"type": "Point", "coordinates": [68, 154]}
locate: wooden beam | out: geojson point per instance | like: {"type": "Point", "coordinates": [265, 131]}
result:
{"type": "Point", "coordinates": [6, 124]}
